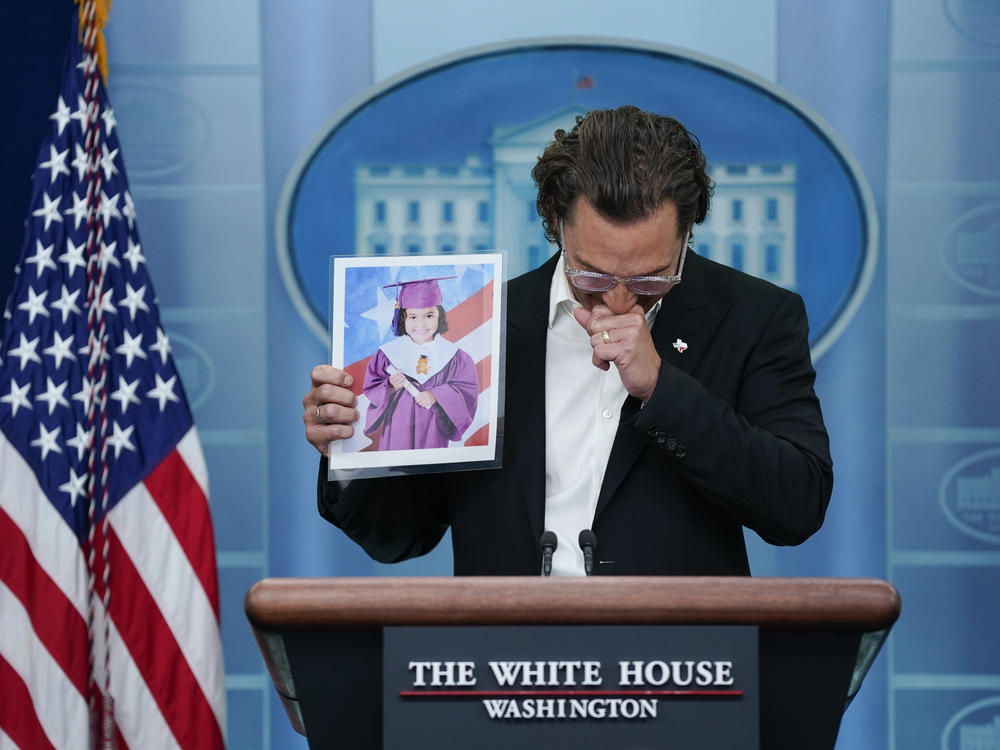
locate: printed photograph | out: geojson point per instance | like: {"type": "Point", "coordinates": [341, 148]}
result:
{"type": "Point", "coordinates": [421, 340]}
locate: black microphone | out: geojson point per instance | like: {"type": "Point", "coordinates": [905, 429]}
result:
{"type": "Point", "coordinates": [547, 544]}
{"type": "Point", "coordinates": [588, 543]}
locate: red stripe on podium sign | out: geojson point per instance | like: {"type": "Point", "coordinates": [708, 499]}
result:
{"type": "Point", "coordinates": [569, 693]}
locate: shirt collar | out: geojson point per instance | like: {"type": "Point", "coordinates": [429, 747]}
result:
{"type": "Point", "coordinates": [561, 297]}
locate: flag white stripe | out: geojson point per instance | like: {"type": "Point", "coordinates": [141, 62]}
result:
{"type": "Point", "coordinates": [359, 440]}
{"type": "Point", "coordinates": [166, 571]}
{"type": "Point", "coordinates": [54, 545]}
{"type": "Point", "coordinates": [6, 743]}
{"type": "Point", "coordinates": [190, 449]}
{"type": "Point", "coordinates": [61, 710]}
{"type": "Point", "coordinates": [477, 342]}
{"type": "Point", "coordinates": [482, 416]}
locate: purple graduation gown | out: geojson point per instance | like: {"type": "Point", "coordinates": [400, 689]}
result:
{"type": "Point", "coordinates": [404, 424]}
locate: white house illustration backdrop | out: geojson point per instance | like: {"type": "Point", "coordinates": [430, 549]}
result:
{"type": "Point", "coordinates": [419, 209]}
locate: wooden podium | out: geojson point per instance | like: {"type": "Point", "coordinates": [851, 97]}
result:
{"type": "Point", "coordinates": [322, 638]}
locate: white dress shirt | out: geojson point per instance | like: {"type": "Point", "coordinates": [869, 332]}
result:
{"type": "Point", "coordinates": [582, 409]}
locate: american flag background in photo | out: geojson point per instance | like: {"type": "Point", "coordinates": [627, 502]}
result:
{"type": "Point", "coordinates": [468, 303]}
{"type": "Point", "coordinates": [109, 601]}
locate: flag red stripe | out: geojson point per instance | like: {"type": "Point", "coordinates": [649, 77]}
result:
{"type": "Point", "coordinates": [463, 319]}
{"type": "Point", "coordinates": [121, 744]}
{"type": "Point", "coordinates": [468, 315]}
{"type": "Point", "coordinates": [158, 658]}
{"type": "Point", "coordinates": [479, 437]}
{"type": "Point", "coordinates": [357, 371]}
{"type": "Point", "coordinates": [17, 713]}
{"type": "Point", "coordinates": [182, 502]}
{"type": "Point", "coordinates": [484, 368]}
{"type": "Point", "coordinates": [56, 622]}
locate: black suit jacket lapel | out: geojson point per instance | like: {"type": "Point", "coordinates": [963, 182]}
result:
{"type": "Point", "coordinates": [684, 326]}
{"type": "Point", "coordinates": [682, 331]}
{"type": "Point", "coordinates": [527, 326]}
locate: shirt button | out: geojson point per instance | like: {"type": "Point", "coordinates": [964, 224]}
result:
{"type": "Point", "coordinates": [607, 414]}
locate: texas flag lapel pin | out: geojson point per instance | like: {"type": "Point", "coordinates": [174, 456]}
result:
{"type": "Point", "coordinates": [680, 346]}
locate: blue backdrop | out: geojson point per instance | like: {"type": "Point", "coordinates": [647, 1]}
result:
{"type": "Point", "coordinates": [217, 101]}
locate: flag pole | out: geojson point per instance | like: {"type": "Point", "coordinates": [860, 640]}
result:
{"type": "Point", "coordinates": [93, 16]}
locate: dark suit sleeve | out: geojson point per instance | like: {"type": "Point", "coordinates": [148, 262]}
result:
{"type": "Point", "coordinates": [392, 518]}
{"type": "Point", "coordinates": [762, 457]}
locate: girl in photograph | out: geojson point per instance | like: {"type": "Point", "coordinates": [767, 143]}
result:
{"type": "Point", "coordinates": [423, 389]}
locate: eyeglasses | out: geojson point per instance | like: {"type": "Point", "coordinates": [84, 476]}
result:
{"type": "Point", "coordinates": [594, 282]}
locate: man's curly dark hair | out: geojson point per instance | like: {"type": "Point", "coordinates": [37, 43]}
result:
{"type": "Point", "coordinates": [625, 163]}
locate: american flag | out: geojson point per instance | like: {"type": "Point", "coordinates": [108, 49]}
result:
{"type": "Point", "coordinates": [109, 602]}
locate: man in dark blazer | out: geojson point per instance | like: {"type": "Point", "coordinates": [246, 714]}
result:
{"type": "Point", "coordinates": [719, 427]}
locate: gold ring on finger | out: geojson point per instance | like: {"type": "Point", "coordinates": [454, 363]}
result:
{"type": "Point", "coordinates": [606, 336]}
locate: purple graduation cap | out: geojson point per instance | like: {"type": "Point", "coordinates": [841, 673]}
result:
{"type": "Point", "coordinates": [417, 294]}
